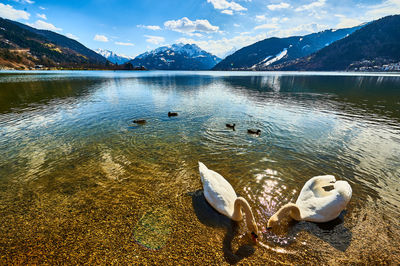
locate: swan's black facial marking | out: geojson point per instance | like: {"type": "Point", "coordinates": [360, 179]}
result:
{"type": "Point", "coordinates": [254, 236]}
{"type": "Point", "coordinates": [328, 188]}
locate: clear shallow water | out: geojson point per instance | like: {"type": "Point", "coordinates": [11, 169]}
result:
{"type": "Point", "coordinates": [79, 182]}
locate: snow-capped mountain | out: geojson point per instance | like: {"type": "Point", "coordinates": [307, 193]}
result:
{"type": "Point", "coordinates": [113, 57]}
{"type": "Point", "coordinates": [177, 57]}
{"type": "Point", "coordinates": [374, 47]}
{"type": "Point", "coordinates": [265, 54]}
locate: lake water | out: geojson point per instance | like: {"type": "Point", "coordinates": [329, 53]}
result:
{"type": "Point", "coordinates": [81, 183]}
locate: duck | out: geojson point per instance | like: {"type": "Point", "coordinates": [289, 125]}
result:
{"type": "Point", "coordinates": [172, 114]}
{"type": "Point", "coordinates": [232, 126]}
{"type": "Point", "coordinates": [222, 197]}
{"type": "Point", "coordinates": [139, 121]}
{"type": "Point", "coordinates": [322, 199]}
{"type": "Point", "coordinates": [254, 131]}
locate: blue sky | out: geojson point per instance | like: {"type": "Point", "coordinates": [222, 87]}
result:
{"type": "Point", "coordinates": [218, 26]}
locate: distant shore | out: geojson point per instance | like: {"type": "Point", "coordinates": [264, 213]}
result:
{"type": "Point", "coordinates": [384, 71]}
{"type": "Point", "coordinates": [70, 69]}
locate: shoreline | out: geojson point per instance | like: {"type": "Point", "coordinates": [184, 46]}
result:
{"type": "Point", "coordinates": [210, 70]}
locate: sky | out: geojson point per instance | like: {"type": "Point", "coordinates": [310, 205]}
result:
{"type": "Point", "coordinates": [131, 27]}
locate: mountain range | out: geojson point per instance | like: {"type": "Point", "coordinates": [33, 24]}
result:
{"type": "Point", "coordinates": [272, 51]}
{"type": "Point", "coordinates": [22, 46]}
{"type": "Point", "coordinates": [374, 46]}
{"type": "Point", "coordinates": [177, 57]}
{"type": "Point", "coordinates": [113, 57]}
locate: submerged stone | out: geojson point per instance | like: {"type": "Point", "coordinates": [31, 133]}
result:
{"type": "Point", "coordinates": [154, 228]}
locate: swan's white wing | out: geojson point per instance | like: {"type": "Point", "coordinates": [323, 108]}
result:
{"type": "Point", "coordinates": [325, 208]}
{"type": "Point", "coordinates": [217, 191]}
{"type": "Point", "coordinates": [322, 209]}
{"type": "Point", "coordinates": [314, 187]}
{"type": "Point", "coordinates": [344, 188]}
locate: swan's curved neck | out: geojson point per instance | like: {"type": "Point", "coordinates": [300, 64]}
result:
{"type": "Point", "coordinates": [241, 203]}
{"type": "Point", "coordinates": [289, 209]}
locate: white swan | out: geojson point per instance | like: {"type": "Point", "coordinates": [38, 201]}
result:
{"type": "Point", "coordinates": [314, 204]}
{"type": "Point", "coordinates": [222, 197]}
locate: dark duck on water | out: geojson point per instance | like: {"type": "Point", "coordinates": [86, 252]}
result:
{"type": "Point", "coordinates": [254, 131]}
{"type": "Point", "coordinates": [139, 121]}
{"type": "Point", "coordinates": [232, 126]}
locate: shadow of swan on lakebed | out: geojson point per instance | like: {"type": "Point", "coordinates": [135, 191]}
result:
{"type": "Point", "coordinates": [334, 232]}
{"type": "Point", "coordinates": [210, 217]}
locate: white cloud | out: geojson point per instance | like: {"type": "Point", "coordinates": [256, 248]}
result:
{"type": "Point", "coordinates": [223, 4]}
{"type": "Point", "coordinates": [42, 8]}
{"type": "Point", "coordinates": [149, 27]}
{"type": "Point", "coordinates": [370, 12]}
{"type": "Point", "coordinates": [272, 24]}
{"type": "Point", "coordinates": [195, 34]}
{"type": "Point", "coordinates": [318, 3]}
{"type": "Point", "coordinates": [100, 38]}
{"type": "Point", "coordinates": [42, 16]}
{"type": "Point", "coordinates": [282, 5]}
{"type": "Point", "coordinates": [185, 25]}
{"type": "Point", "coordinates": [7, 11]}
{"type": "Point", "coordinates": [345, 22]}
{"type": "Point", "coordinates": [227, 11]}
{"type": "Point", "coordinates": [266, 26]}
{"type": "Point", "coordinates": [40, 24]}
{"type": "Point", "coordinates": [71, 36]}
{"type": "Point", "coordinates": [261, 18]}
{"type": "Point", "coordinates": [154, 39]}
{"type": "Point", "coordinates": [236, 25]}
{"type": "Point", "coordinates": [24, 1]}
{"type": "Point", "coordinates": [124, 43]}
{"type": "Point", "coordinates": [298, 30]}
{"type": "Point", "coordinates": [222, 46]}
{"type": "Point", "coordinates": [388, 7]}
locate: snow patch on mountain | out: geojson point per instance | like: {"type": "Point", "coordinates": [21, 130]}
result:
{"type": "Point", "coordinates": [266, 59]}
{"type": "Point", "coordinates": [271, 59]}
{"type": "Point", "coordinates": [276, 58]}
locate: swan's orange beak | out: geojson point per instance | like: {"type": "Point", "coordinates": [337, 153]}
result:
{"type": "Point", "coordinates": [254, 236]}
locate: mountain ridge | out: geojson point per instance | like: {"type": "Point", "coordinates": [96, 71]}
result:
{"type": "Point", "coordinates": [259, 55]}
{"type": "Point", "coordinates": [372, 46]}
{"type": "Point", "coordinates": [176, 57]}
{"type": "Point", "coordinates": [375, 47]}
{"type": "Point", "coordinates": [113, 57]}
{"type": "Point", "coordinates": [22, 46]}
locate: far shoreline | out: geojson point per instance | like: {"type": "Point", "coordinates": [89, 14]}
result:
{"type": "Point", "coordinates": [239, 72]}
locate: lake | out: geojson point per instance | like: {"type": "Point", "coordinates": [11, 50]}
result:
{"type": "Point", "coordinates": [81, 183]}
